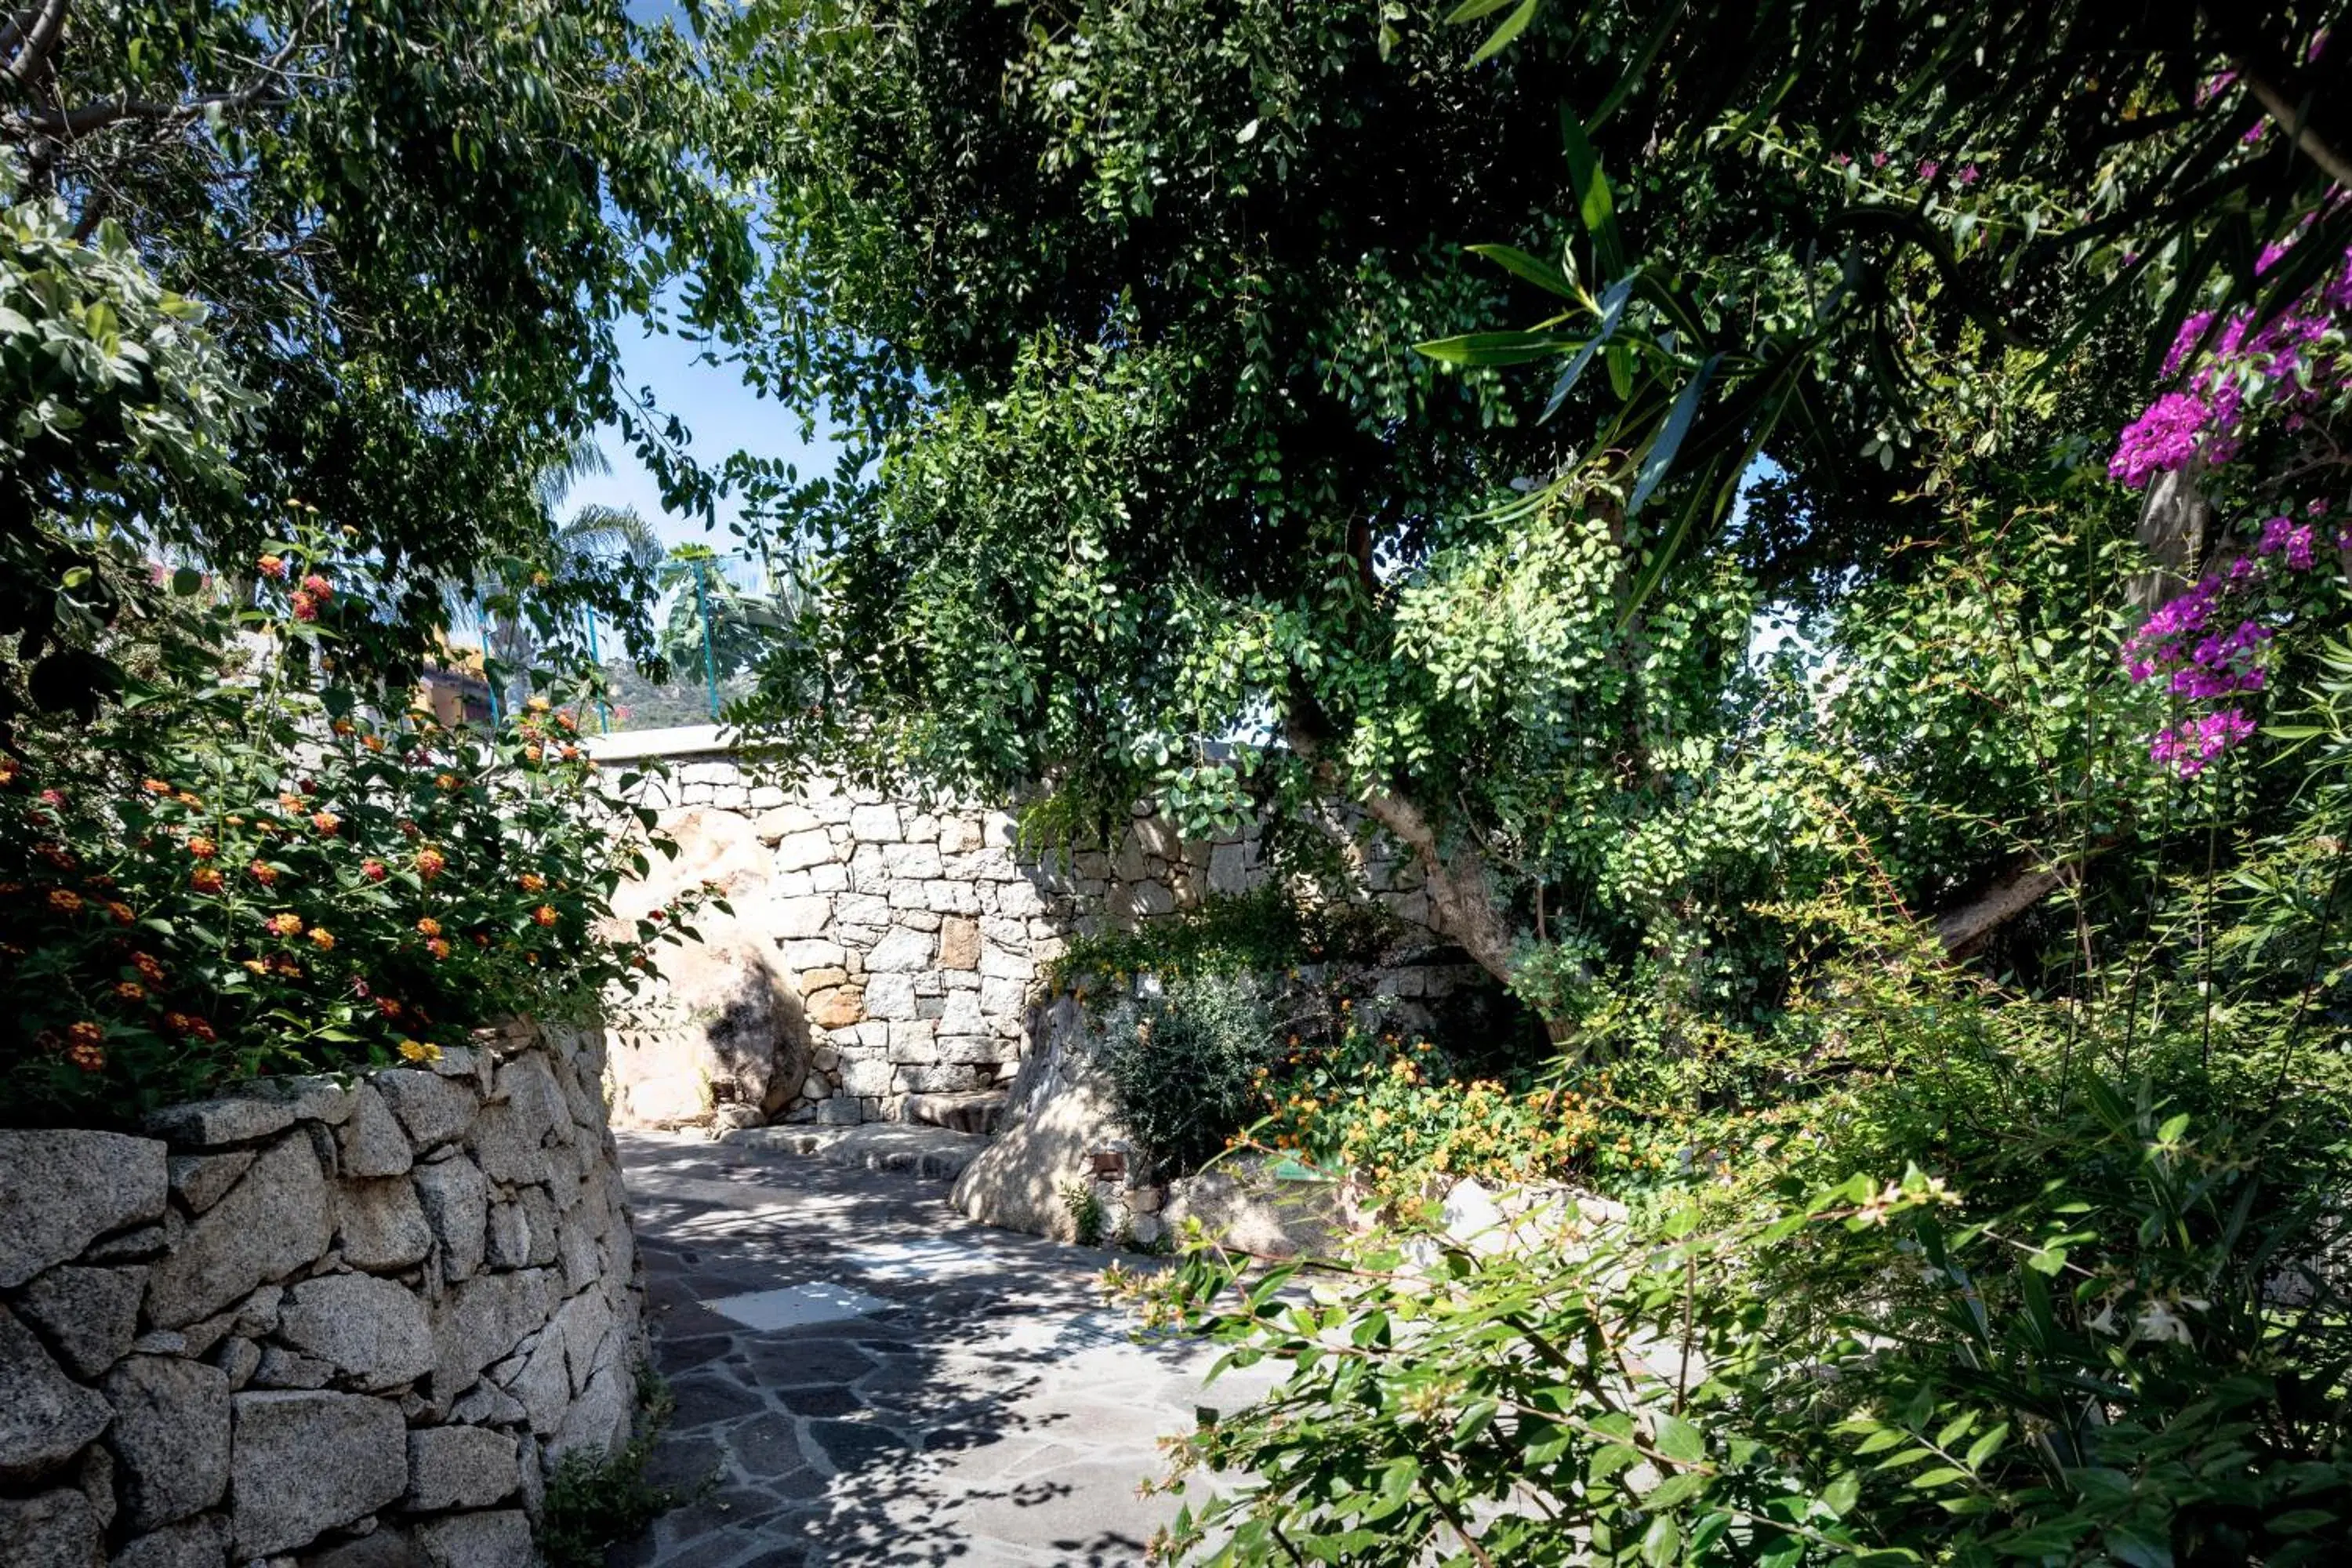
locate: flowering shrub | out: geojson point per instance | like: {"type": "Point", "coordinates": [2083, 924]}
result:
{"type": "Point", "coordinates": [2287, 380]}
{"type": "Point", "coordinates": [243, 868]}
{"type": "Point", "coordinates": [1394, 1113]}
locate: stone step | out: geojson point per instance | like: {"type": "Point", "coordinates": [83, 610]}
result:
{"type": "Point", "coordinates": [978, 1110]}
{"type": "Point", "coordinates": [935, 1153]}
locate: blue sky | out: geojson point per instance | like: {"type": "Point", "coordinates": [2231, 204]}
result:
{"type": "Point", "coordinates": [724, 415]}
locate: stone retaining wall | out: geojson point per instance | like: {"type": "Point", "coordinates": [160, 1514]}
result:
{"type": "Point", "coordinates": [317, 1323]}
{"type": "Point", "coordinates": [877, 948]}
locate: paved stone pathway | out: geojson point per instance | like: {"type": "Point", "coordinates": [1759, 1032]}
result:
{"type": "Point", "coordinates": [872, 1380]}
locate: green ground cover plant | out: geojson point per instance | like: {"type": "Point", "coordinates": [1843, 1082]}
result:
{"type": "Point", "coordinates": [595, 1501]}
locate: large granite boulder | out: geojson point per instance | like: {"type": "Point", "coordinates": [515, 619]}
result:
{"type": "Point", "coordinates": [724, 1022]}
{"type": "Point", "coordinates": [1246, 1207]}
{"type": "Point", "coordinates": [725, 1026]}
{"type": "Point", "coordinates": [1017, 1181]}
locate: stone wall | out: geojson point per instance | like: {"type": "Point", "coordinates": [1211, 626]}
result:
{"type": "Point", "coordinates": [879, 949]}
{"type": "Point", "coordinates": [317, 1323]}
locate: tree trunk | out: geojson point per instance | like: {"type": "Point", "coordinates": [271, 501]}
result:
{"type": "Point", "coordinates": [1461, 899]}
{"type": "Point", "coordinates": [1461, 895]}
{"type": "Point", "coordinates": [1964, 927]}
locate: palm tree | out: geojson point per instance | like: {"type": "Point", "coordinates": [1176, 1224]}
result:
{"type": "Point", "coordinates": [594, 538]}
{"type": "Point", "coordinates": [716, 630]}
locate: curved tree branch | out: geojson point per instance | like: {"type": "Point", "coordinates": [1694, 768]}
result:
{"type": "Point", "coordinates": [39, 39]}
{"type": "Point", "coordinates": [266, 87]}
{"type": "Point", "coordinates": [2290, 118]}
{"type": "Point", "coordinates": [1965, 928]}
{"type": "Point", "coordinates": [1460, 897]}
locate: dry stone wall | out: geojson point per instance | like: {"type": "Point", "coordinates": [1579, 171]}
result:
{"type": "Point", "coordinates": [316, 1323]}
{"type": "Point", "coordinates": [878, 949]}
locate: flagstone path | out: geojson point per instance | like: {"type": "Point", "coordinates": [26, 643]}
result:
{"type": "Point", "coordinates": [868, 1379]}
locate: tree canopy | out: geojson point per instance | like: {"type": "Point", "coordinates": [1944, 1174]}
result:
{"type": "Point", "coordinates": [1158, 498]}
{"type": "Point", "coordinates": [389, 245]}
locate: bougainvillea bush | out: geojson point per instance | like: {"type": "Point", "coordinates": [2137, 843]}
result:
{"type": "Point", "coordinates": [246, 867]}
{"type": "Point", "coordinates": [2254, 428]}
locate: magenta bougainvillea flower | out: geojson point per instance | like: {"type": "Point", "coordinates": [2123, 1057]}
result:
{"type": "Point", "coordinates": [2162, 439]}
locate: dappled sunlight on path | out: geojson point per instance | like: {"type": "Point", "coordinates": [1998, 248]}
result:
{"type": "Point", "coordinates": [869, 1379]}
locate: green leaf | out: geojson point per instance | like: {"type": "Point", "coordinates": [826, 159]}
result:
{"type": "Point", "coordinates": [1535, 269]}
{"type": "Point", "coordinates": [1474, 1421]}
{"type": "Point", "coordinates": [1984, 1446]}
{"type": "Point", "coordinates": [1590, 188]}
{"type": "Point", "coordinates": [1840, 1496]}
{"type": "Point", "coordinates": [1680, 1441]}
{"type": "Point", "coordinates": [1675, 1491]}
{"type": "Point", "coordinates": [2138, 1547]}
{"type": "Point", "coordinates": [1610, 1459]}
{"type": "Point", "coordinates": [1613, 309]}
{"type": "Point", "coordinates": [2299, 1522]}
{"type": "Point", "coordinates": [1512, 27]}
{"type": "Point", "coordinates": [1661, 1541]}
{"type": "Point", "coordinates": [1660, 458]}
{"type": "Point", "coordinates": [1493, 348]}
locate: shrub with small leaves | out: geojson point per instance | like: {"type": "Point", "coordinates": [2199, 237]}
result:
{"type": "Point", "coordinates": [2138, 1361]}
{"type": "Point", "coordinates": [246, 868]}
{"type": "Point", "coordinates": [1185, 1065]}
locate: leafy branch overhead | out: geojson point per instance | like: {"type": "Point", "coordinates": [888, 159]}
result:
{"type": "Point", "coordinates": [408, 232]}
{"type": "Point", "coordinates": [1995, 164]}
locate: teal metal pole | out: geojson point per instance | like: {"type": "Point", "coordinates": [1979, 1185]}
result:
{"type": "Point", "coordinates": [596, 658]}
{"type": "Point", "coordinates": [489, 679]}
{"type": "Point", "coordinates": [710, 662]}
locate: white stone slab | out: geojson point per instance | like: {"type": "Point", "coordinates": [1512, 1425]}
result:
{"type": "Point", "coordinates": [796, 1305]}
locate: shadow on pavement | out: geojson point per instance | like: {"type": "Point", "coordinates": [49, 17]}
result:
{"type": "Point", "coordinates": [984, 1409]}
